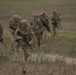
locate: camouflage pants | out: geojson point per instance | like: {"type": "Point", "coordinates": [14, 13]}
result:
{"type": "Point", "coordinates": [26, 55]}
{"type": "Point", "coordinates": [38, 36]}
{"type": "Point", "coordinates": [14, 44]}
{"type": "Point", "coordinates": [55, 27]}
{"type": "Point", "coordinates": [25, 48]}
{"type": "Point", "coordinates": [43, 33]}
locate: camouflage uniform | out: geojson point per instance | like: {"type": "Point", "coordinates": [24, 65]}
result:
{"type": "Point", "coordinates": [44, 20]}
{"type": "Point", "coordinates": [37, 28]}
{"type": "Point", "coordinates": [14, 24]}
{"type": "Point", "coordinates": [55, 21]}
{"type": "Point", "coordinates": [1, 31]}
{"type": "Point", "coordinates": [23, 36]}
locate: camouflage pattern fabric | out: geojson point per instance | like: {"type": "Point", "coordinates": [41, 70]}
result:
{"type": "Point", "coordinates": [55, 22]}
{"type": "Point", "coordinates": [37, 29]}
{"type": "Point", "coordinates": [19, 33]}
{"type": "Point", "coordinates": [14, 24]}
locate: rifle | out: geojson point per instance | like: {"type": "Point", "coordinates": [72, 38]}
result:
{"type": "Point", "coordinates": [2, 42]}
{"type": "Point", "coordinates": [48, 29]}
{"type": "Point", "coordinates": [27, 41]}
{"type": "Point", "coordinates": [25, 38]}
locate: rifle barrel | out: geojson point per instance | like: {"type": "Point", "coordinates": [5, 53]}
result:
{"type": "Point", "coordinates": [4, 44]}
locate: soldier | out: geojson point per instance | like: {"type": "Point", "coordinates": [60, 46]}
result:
{"type": "Point", "coordinates": [1, 35]}
{"type": "Point", "coordinates": [22, 35]}
{"type": "Point", "coordinates": [55, 21]}
{"type": "Point", "coordinates": [1, 32]}
{"type": "Point", "coordinates": [14, 23]}
{"type": "Point", "coordinates": [37, 28]}
{"type": "Point", "coordinates": [45, 22]}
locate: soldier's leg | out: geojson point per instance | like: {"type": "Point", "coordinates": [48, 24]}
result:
{"type": "Point", "coordinates": [57, 28]}
{"type": "Point", "coordinates": [54, 30]}
{"type": "Point", "coordinates": [25, 60]}
{"type": "Point", "coordinates": [41, 34]}
{"type": "Point", "coordinates": [38, 35]}
{"type": "Point", "coordinates": [13, 45]}
{"type": "Point", "coordinates": [17, 46]}
{"type": "Point", "coordinates": [26, 55]}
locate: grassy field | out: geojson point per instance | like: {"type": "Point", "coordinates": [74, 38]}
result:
{"type": "Point", "coordinates": [64, 44]}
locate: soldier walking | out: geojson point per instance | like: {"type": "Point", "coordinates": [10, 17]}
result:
{"type": "Point", "coordinates": [23, 37]}
{"type": "Point", "coordinates": [14, 24]}
{"type": "Point", "coordinates": [55, 22]}
{"type": "Point", "coordinates": [37, 28]}
{"type": "Point", "coordinates": [45, 22]}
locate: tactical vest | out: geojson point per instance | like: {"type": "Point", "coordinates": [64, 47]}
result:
{"type": "Point", "coordinates": [24, 34]}
{"type": "Point", "coordinates": [55, 20]}
{"type": "Point", "coordinates": [36, 24]}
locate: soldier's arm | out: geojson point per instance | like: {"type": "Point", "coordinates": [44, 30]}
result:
{"type": "Point", "coordinates": [11, 24]}
{"type": "Point", "coordinates": [59, 19]}
{"type": "Point", "coordinates": [31, 35]}
{"type": "Point", "coordinates": [1, 28]}
{"type": "Point", "coordinates": [1, 31]}
{"type": "Point", "coordinates": [52, 20]}
{"type": "Point", "coordinates": [11, 29]}
{"type": "Point", "coordinates": [16, 34]}
{"type": "Point", "coordinates": [40, 23]}
{"type": "Point", "coordinates": [47, 22]}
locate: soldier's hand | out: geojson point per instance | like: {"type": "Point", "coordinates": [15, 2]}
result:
{"type": "Point", "coordinates": [31, 42]}
{"type": "Point", "coordinates": [1, 40]}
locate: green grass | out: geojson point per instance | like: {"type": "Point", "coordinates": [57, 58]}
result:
{"type": "Point", "coordinates": [65, 43]}
{"type": "Point", "coordinates": [4, 58]}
